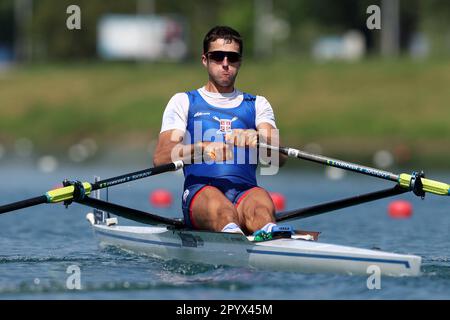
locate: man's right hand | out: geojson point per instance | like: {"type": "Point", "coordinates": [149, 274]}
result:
{"type": "Point", "coordinates": [216, 151]}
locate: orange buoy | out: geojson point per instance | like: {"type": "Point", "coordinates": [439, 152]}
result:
{"type": "Point", "coordinates": [400, 209]}
{"type": "Point", "coordinates": [161, 198]}
{"type": "Point", "coordinates": [278, 200]}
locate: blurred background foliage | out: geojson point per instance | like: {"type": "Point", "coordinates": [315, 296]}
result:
{"type": "Point", "coordinates": [56, 90]}
{"type": "Point", "coordinates": [306, 20]}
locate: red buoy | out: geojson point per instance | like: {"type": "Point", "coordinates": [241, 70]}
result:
{"type": "Point", "coordinates": [400, 209]}
{"type": "Point", "coordinates": [161, 198]}
{"type": "Point", "coordinates": [278, 200]}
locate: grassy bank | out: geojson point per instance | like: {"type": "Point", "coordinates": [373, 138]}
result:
{"type": "Point", "coordinates": [350, 109]}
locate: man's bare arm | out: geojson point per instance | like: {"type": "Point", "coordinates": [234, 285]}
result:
{"type": "Point", "coordinates": [167, 142]}
{"type": "Point", "coordinates": [270, 135]}
{"type": "Point", "coordinates": [170, 148]}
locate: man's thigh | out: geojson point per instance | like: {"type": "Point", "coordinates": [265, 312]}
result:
{"type": "Point", "coordinates": [207, 207]}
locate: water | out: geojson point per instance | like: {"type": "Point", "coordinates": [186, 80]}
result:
{"type": "Point", "coordinates": [39, 244]}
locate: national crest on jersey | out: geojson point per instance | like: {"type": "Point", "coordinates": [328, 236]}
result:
{"type": "Point", "coordinates": [225, 125]}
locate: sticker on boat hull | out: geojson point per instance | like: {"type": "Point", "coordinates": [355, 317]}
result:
{"type": "Point", "coordinates": [190, 240]}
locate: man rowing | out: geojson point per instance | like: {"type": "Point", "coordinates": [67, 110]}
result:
{"type": "Point", "coordinates": [222, 124]}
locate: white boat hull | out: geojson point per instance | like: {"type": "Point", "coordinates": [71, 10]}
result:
{"type": "Point", "coordinates": [217, 248]}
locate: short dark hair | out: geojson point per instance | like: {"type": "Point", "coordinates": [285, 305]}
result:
{"type": "Point", "coordinates": [222, 32]}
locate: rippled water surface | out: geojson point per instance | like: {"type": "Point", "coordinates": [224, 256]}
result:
{"type": "Point", "coordinates": [39, 244]}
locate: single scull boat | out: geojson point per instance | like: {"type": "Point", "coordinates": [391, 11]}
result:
{"type": "Point", "coordinates": [299, 253]}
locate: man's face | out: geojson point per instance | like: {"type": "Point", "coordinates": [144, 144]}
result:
{"type": "Point", "coordinates": [224, 72]}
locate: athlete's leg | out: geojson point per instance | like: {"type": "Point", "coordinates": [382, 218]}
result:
{"type": "Point", "coordinates": [211, 210]}
{"type": "Point", "coordinates": [255, 207]}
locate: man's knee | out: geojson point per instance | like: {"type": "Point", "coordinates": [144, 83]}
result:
{"type": "Point", "coordinates": [229, 213]}
{"type": "Point", "coordinates": [260, 212]}
{"type": "Point", "coordinates": [224, 210]}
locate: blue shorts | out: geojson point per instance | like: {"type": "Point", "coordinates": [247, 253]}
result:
{"type": "Point", "coordinates": [233, 192]}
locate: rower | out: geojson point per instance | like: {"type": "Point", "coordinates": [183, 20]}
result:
{"type": "Point", "coordinates": [222, 125]}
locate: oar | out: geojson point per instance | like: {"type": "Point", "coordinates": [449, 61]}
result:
{"type": "Point", "coordinates": [67, 193]}
{"type": "Point", "coordinates": [130, 213]}
{"type": "Point", "coordinates": [338, 204]}
{"type": "Point", "coordinates": [414, 182]}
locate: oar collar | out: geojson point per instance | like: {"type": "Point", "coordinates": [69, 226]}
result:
{"type": "Point", "coordinates": [416, 184]}
{"type": "Point", "coordinates": [79, 192]}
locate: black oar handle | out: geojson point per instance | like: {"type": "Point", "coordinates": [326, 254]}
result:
{"type": "Point", "coordinates": [23, 204]}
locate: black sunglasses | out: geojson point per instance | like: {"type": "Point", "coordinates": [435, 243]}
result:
{"type": "Point", "coordinates": [218, 56]}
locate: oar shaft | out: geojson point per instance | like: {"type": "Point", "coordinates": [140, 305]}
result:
{"type": "Point", "coordinates": [338, 204]}
{"type": "Point", "coordinates": [291, 152]}
{"type": "Point", "coordinates": [67, 193]}
{"type": "Point", "coordinates": [137, 175]}
{"type": "Point", "coordinates": [403, 180]}
{"type": "Point", "coordinates": [23, 204]}
{"type": "Point", "coordinates": [130, 213]}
